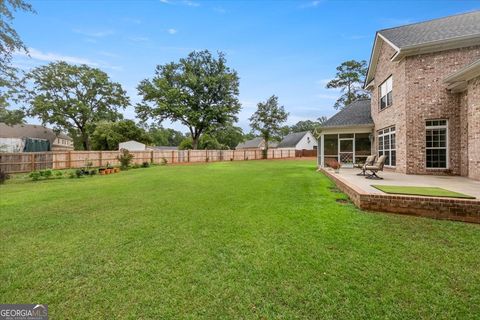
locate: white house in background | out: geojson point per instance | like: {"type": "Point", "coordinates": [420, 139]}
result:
{"type": "Point", "coordinates": [132, 146]}
{"type": "Point", "coordinates": [299, 140]}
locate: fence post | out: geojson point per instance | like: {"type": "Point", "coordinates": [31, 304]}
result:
{"type": "Point", "coordinates": [206, 155]}
{"type": "Point", "coordinates": [33, 161]}
{"type": "Point", "coordinates": [188, 155]}
{"type": "Point", "coordinates": [151, 156]}
{"type": "Point", "coordinates": [173, 156]}
{"type": "Point", "coordinates": [100, 157]}
{"type": "Point", "coordinates": [244, 154]}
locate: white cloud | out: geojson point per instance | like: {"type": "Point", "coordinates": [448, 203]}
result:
{"type": "Point", "coordinates": [51, 57]}
{"type": "Point", "coordinates": [172, 31]}
{"type": "Point", "coordinates": [94, 34]}
{"type": "Point", "coordinates": [311, 4]}
{"type": "Point", "coordinates": [191, 3]}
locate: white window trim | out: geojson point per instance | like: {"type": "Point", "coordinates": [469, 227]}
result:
{"type": "Point", "coordinates": [447, 143]}
{"type": "Point", "coordinates": [390, 149]}
{"type": "Point", "coordinates": [385, 83]}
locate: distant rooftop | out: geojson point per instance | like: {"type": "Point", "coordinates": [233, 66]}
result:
{"type": "Point", "coordinates": [355, 114]}
{"type": "Point", "coordinates": [291, 140]}
{"type": "Point", "coordinates": [447, 28]}
{"type": "Point", "coordinates": [30, 131]}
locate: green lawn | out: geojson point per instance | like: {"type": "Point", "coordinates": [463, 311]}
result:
{"type": "Point", "coordinates": [241, 240]}
{"type": "Point", "coordinates": [422, 191]}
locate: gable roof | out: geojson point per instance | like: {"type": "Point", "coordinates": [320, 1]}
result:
{"type": "Point", "coordinates": [291, 139]}
{"type": "Point", "coordinates": [255, 143]}
{"type": "Point", "coordinates": [445, 33]}
{"type": "Point", "coordinates": [30, 131]}
{"type": "Point", "coordinates": [356, 113]}
{"type": "Point", "coordinates": [441, 29]}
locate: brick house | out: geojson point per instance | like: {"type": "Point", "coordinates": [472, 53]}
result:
{"type": "Point", "coordinates": [424, 80]}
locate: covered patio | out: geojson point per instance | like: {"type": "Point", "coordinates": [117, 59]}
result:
{"type": "Point", "coordinates": [365, 196]}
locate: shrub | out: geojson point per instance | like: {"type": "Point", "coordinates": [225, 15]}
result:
{"type": "Point", "coordinates": [59, 174]}
{"type": "Point", "coordinates": [71, 175]}
{"type": "Point", "coordinates": [93, 172]}
{"type": "Point", "coordinates": [78, 173]}
{"type": "Point", "coordinates": [125, 159]}
{"type": "Point", "coordinates": [145, 164]}
{"type": "Point", "coordinates": [35, 175]}
{"type": "Point", "coordinates": [3, 177]}
{"type": "Point", "coordinates": [47, 173]}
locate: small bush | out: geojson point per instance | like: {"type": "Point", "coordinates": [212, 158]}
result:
{"type": "Point", "coordinates": [47, 173]}
{"type": "Point", "coordinates": [145, 164]}
{"type": "Point", "coordinates": [58, 174]}
{"type": "Point", "coordinates": [79, 173]}
{"type": "Point", "coordinates": [35, 175]}
{"type": "Point", "coordinates": [3, 177]}
{"type": "Point", "coordinates": [71, 175]}
{"type": "Point", "coordinates": [125, 159]}
{"type": "Point", "coordinates": [93, 172]}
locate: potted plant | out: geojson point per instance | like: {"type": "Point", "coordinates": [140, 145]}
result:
{"type": "Point", "coordinates": [334, 164]}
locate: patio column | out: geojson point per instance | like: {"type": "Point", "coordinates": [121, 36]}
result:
{"type": "Point", "coordinates": [321, 150]}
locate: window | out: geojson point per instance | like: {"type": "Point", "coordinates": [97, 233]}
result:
{"type": "Point", "coordinates": [436, 144]}
{"type": "Point", "coordinates": [385, 92]}
{"type": "Point", "coordinates": [386, 145]}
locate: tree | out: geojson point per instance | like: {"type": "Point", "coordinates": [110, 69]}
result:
{"type": "Point", "coordinates": [321, 120]}
{"type": "Point", "coordinates": [74, 98]}
{"type": "Point", "coordinates": [268, 119]}
{"type": "Point", "coordinates": [228, 136]}
{"type": "Point", "coordinates": [11, 85]}
{"type": "Point", "coordinates": [349, 79]}
{"type": "Point", "coordinates": [107, 135]}
{"type": "Point", "coordinates": [206, 142]}
{"type": "Point", "coordinates": [165, 136]}
{"type": "Point", "coordinates": [307, 125]}
{"type": "Point", "coordinates": [199, 91]}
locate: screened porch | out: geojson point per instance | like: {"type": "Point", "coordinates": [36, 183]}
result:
{"type": "Point", "coordinates": [348, 148]}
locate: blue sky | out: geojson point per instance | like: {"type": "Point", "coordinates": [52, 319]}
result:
{"type": "Point", "coordinates": [287, 48]}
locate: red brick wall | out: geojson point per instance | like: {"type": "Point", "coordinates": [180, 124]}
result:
{"type": "Point", "coordinates": [419, 94]}
{"type": "Point", "coordinates": [428, 98]}
{"type": "Point", "coordinates": [432, 207]}
{"type": "Point", "coordinates": [473, 140]}
{"type": "Point", "coordinates": [395, 114]}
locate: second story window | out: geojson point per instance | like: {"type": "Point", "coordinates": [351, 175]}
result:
{"type": "Point", "coordinates": [385, 92]}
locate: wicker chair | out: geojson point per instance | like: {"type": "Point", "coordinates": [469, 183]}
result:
{"type": "Point", "coordinates": [377, 166]}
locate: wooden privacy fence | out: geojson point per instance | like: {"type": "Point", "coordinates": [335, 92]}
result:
{"type": "Point", "coordinates": [32, 161]}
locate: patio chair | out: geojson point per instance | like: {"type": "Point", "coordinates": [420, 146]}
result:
{"type": "Point", "coordinates": [368, 162]}
{"type": "Point", "coordinates": [377, 166]}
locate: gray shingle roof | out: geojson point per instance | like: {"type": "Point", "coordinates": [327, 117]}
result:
{"type": "Point", "coordinates": [255, 143]}
{"type": "Point", "coordinates": [448, 28]}
{"type": "Point", "coordinates": [29, 131]}
{"type": "Point", "coordinates": [356, 113]}
{"type": "Point", "coordinates": [291, 140]}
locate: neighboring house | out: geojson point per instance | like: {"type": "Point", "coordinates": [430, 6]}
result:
{"type": "Point", "coordinates": [425, 106]}
{"type": "Point", "coordinates": [299, 141]}
{"type": "Point", "coordinates": [132, 145]}
{"type": "Point", "coordinates": [256, 144]}
{"type": "Point", "coordinates": [32, 138]}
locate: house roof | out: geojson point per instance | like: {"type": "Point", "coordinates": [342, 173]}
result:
{"type": "Point", "coordinates": [445, 33]}
{"type": "Point", "coordinates": [291, 140]}
{"type": "Point", "coordinates": [356, 113]}
{"type": "Point", "coordinates": [451, 27]}
{"type": "Point", "coordinates": [255, 143]}
{"type": "Point", "coordinates": [30, 131]}
{"type": "Point", "coordinates": [457, 81]}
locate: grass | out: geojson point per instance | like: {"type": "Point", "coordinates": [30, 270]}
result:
{"type": "Point", "coordinates": [422, 191]}
{"type": "Point", "coordinates": [242, 240]}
